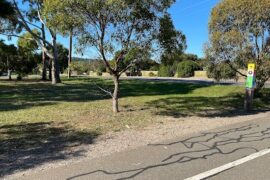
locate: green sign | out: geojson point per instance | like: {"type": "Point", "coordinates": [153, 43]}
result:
{"type": "Point", "coordinates": [250, 82]}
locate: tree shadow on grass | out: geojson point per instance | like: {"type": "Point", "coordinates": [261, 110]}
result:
{"type": "Point", "coordinates": [144, 88]}
{"type": "Point", "coordinates": [25, 95]}
{"type": "Point", "coordinates": [27, 145]}
{"type": "Point", "coordinates": [228, 106]}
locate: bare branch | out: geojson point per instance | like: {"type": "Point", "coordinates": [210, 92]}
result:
{"type": "Point", "coordinates": [39, 17]}
{"type": "Point", "coordinates": [104, 90]}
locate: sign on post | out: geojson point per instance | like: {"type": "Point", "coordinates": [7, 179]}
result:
{"type": "Point", "coordinates": [251, 77]}
{"type": "Point", "coordinates": [250, 86]}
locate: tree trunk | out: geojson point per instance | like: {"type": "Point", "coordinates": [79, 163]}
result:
{"type": "Point", "coordinates": [55, 64]}
{"type": "Point", "coordinates": [50, 69]}
{"type": "Point", "coordinates": [70, 53]}
{"type": "Point", "coordinates": [115, 94]}
{"type": "Point", "coordinates": [9, 75]}
{"type": "Point", "coordinates": [9, 71]}
{"type": "Point", "coordinates": [44, 65]}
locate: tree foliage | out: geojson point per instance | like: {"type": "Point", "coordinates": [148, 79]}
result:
{"type": "Point", "coordinates": [6, 12]}
{"type": "Point", "coordinates": [220, 71]}
{"type": "Point", "coordinates": [117, 25]}
{"type": "Point", "coordinates": [172, 41]}
{"type": "Point", "coordinates": [29, 17]}
{"type": "Point", "coordinates": [187, 68]}
{"type": "Point", "coordinates": [17, 60]}
{"type": "Point", "coordinates": [6, 9]}
{"type": "Point", "coordinates": [27, 43]}
{"type": "Point", "coordinates": [165, 71]}
{"type": "Point", "coordinates": [62, 57]}
{"type": "Point", "coordinates": [239, 34]}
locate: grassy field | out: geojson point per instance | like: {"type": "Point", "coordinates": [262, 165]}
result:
{"type": "Point", "coordinates": [39, 122]}
{"type": "Point", "coordinates": [81, 104]}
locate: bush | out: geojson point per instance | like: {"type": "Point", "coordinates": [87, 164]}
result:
{"type": "Point", "coordinates": [187, 68]}
{"type": "Point", "coordinates": [79, 66]}
{"type": "Point", "coordinates": [165, 71]}
{"type": "Point", "coordinates": [154, 68]}
{"type": "Point", "coordinates": [221, 71]}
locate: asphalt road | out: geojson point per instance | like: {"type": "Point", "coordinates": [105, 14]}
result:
{"type": "Point", "coordinates": [181, 158]}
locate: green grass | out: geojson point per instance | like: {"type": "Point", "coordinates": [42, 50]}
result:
{"type": "Point", "coordinates": [81, 104]}
{"type": "Point", "coordinates": [39, 122]}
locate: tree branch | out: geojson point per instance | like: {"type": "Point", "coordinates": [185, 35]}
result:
{"type": "Point", "coordinates": [32, 24]}
{"type": "Point", "coordinates": [119, 58]}
{"type": "Point", "coordinates": [14, 35]}
{"type": "Point", "coordinates": [23, 22]}
{"type": "Point", "coordinates": [127, 67]}
{"type": "Point", "coordinates": [104, 90]}
{"type": "Point", "coordinates": [101, 47]}
{"type": "Point", "coordinates": [233, 68]}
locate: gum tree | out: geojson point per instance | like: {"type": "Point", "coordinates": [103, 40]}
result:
{"type": "Point", "coordinates": [28, 18]}
{"type": "Point", "coordinates": [117, 25]}
{"type": "Point", "coordinates": [171, 41]}
{"type": "Point", "coordinates": [239, 34]}
{"type": "Point", "coordinates": [61, 17]}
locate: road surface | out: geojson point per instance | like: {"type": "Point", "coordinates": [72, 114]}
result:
{"type": "Point", "coordinates": [198, 155]}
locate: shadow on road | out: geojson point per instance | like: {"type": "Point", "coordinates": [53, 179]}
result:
{"type": "Point", "coordinates": [210, 143]}
{"type": "Point", "coordinates": [25, 146]}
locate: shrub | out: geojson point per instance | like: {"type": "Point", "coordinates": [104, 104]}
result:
{"type": "Point", "coordinates": [187, 68]}
{"type": "Point", "coordinates": [154, 68]}
{"type": "Point", "coordinates": [79, 66]}
{"type": "Point", "coordinates": [165, 71]}
{"type": "Point", "coordinates": [221, 71]}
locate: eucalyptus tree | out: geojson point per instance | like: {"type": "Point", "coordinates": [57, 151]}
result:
{"type": "Point", "coordinates": [29, 17]}
{"type": "Point", "coordinates": [239, 34]}
{"type": "Point", "coordinates": [61, 17]}
{"type": "Point", "coordinates": [117, 25]}
{"type": "Point", "coordinates": [171, 41]}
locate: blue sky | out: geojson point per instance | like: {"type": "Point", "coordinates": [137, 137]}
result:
{"type": "Point", "coordinates": [189, 16]}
